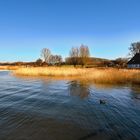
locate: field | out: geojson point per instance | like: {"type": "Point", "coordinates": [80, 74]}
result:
{"type": "Point", "coordinates": [96, 75]}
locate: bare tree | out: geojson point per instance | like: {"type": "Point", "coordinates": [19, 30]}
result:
{"type": "Point", "coordinates": [79, 55]}
{"type": "Point", "coordinates": [59, 59]}
{"type": "Point", "coordinates": [74, 52]}
{"type": "Point", "coordinates": [135, 48]}
{"type": "Point", "coordinates": [84, 54]}
{"type": "Point", "coordinates": [84, 51]}
{"type": "Point", "coordinates": [74, 56]}
{"type": "Point", "coordinates": [55, 59]}
{"type": "Point", "coordinates": [45, 54]}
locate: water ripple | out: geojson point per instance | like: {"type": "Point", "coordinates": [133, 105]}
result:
{"type": "Point", "coordinates": [33, 109]}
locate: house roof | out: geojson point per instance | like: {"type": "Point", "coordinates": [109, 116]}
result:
{"type": "Point", "coordinates": [135, 59]}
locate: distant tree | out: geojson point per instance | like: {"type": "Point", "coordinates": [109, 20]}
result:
{"type": "Point", "coordinates": [84, 54]}
{"type": "Point", "coordinates": [135, 48]}
{"type": "Point", "coordinates": [121, 62]}
{"type": "Point", "coordinates": [74, 55]}
{"type": "Point", "coordinates": [19, 63]}
{"type": "Point", "coordinates": [39, 62]}
{"type": "Point", "coordinates": [45, 54]}
{"type": "Point", "coordinates": [58, 59]}
{"type": "Point", "coordinates": [68, 61]}
{"type": "Point", "coordinates": [84, 51]}
{"type": "Point", "coordinates": [55, 59]}
{"type": "Point", "coordinates": [107, 63]}
{"type": "Point", "coordinates": [79, 56]}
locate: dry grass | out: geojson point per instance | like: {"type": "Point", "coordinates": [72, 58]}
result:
{"type": "Point", "coordinates": [9, 67]}
{"type": "Point", "coordinates": [106, 75]}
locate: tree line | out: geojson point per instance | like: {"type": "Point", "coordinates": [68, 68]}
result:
{"type": "Point", "coordinates": [79, 56]}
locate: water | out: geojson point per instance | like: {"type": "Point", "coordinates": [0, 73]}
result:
{"type": "Point", "coordinates": [48, 109]}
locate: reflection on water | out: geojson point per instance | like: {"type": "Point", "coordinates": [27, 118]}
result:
{"type": "Point", "coordinates": [47, 109]}
{"type": "Point", "coordinates": [77, 88]}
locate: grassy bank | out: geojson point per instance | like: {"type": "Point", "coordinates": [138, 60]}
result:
{"type": "Point", "coordinates": [106, 75]}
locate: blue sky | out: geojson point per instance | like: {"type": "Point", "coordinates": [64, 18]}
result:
{"type": "Point", "coordinates": [107, 26]}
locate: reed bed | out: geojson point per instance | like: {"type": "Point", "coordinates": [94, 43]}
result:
{"type": "Point", "coordinates": [105, 75]}
{"type": "Point", "coordinates": [9, 67]}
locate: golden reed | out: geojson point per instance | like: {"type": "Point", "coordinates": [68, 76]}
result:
{"type": "Point", "coordinates": [104, 75]}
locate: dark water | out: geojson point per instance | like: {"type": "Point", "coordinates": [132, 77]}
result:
{"type": "Point", "coordinates": [46, 109]}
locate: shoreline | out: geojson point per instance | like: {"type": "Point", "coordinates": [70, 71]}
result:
{"type": "Point", "coordinates": [96, 75]}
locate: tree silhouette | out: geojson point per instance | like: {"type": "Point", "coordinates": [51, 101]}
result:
{"type": "Point", "coordinates": [135, 48]}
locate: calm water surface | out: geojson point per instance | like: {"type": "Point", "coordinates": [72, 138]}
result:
{"type": "Point", "coordinates": [47, 109]}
